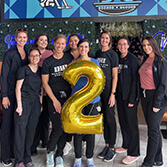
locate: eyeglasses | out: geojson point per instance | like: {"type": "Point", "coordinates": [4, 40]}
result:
{"type": "Point", "coordinates": [32, 56]}
{"type": "Point", "coordinates": [22, 29]}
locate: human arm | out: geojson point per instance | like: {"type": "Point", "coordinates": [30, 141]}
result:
{"type": "Point", "coordinates": [4, 79]}
{"type": "Point", "coordinates": [19, 108]}
{"type": "Point", "coordinates": [6, 102]}
{"type": "Point", "coordinates": [111, 101]}
{"type": "Point", "coordinates": [161, 86]}
{"type": "Point", "coordinates": [156, 109]}
{"type": "Point", "coordinates": [56, 103]}
{"type": "Point", "coordinates": [134, 65]}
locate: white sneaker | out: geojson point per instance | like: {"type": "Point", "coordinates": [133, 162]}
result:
{"type": "Point", "coordinates": [90, 162]}
{"type": "Point", "coordinates": [77, 162]}
{"type": "Point", "coordinates": [84, 148]}
{"type": "Point", "coordinates": [50, 159]}
{"type": "Point", "coordinates": [59, 161]}
{"type": "Point", "coordinates": [67, 148]}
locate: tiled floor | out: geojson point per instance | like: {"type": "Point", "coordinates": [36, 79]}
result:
{"type": "Point", "coordinates": [39, 160]}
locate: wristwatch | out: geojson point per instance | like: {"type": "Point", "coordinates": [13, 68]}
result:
{"type": "Point", "coordinates": [113, 93]}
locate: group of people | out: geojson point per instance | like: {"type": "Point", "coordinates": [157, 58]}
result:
{"type": "Point", "coordinates": [33, 92]}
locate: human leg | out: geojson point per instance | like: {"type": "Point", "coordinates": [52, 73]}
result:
{"type": "Point", "coordinates": [122, 116]}
{"type": "Point", "coordinates": [108, 153]}
{"type": "Point", "coordinates": [35, 109]}
{"type": "Point", "coordinates": [7, 132]}
{"type": "Point", "coordinates": [153, 121]}
{"type": "Point", "coordinates": [21, 132]}
{"type": "Point", "coordinates": [133, 130]}
{"type": "Point", "coordinates": [45, 123]}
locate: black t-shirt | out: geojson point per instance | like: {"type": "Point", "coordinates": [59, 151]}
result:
{"type": "Point", "coordinates": [54, 67]}
{"type": "Point", "coordinates": [107, 60]}
{"type": "Point", "coordinates": [32, 83]}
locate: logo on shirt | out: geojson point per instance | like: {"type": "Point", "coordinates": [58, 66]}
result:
{"type": "Point", "coordinates": [103, 63]}
{"type": "Point", "coordinates": [120, 68]}
{"type": "Point", "coordinates": [101, 60]}
{"type": "Point", "coordinates": [62, 94]}
{"type": "Point", "coordinates": [58, 70]}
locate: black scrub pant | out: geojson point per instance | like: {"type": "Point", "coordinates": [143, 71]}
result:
{"type": "Point", "coordinates": [153, 120]}
{"type": "Point", "coordinates": [42, 130]}
{"type": "Point", "coordinates": [25, 126]}
{"type": "Point", "coordinates": [129, 125]}
{"type": "Point", "coordinates": [90, 109]}
{"type": "Point", "coordinates": [58, 136]}
{"type": "Point", "coordinates": [7, 130]}
{"type": "Point", "coordinates": [109, 117]}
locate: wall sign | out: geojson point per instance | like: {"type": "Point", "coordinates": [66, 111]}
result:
{"type": "Point", "coordinates": [109, 7]}
{"type": "Point", "coordinates": [23, 9]}
{"type": "Point", "coordinates": [163, 39]}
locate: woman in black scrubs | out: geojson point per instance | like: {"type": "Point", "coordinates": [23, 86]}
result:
{"type": "Point", "coordinates": [13, 59]}
{"type": "Point", "coordinates": [127, 101]}
{"type": "Point", "coordinates": [29, 100]}
{"type": "Point", "coordinates": [153, 83]}
{"type": "Point", "coordinates": [108, 60]}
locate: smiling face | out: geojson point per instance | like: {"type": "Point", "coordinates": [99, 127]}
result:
{"type": "Point", "coordinates": [147, 47]}
{"type": "Point", "coordinates": [105, 40]}
{"type": "Point", "coordinates": [60, 45]}
{"type": "Point", "coordinates": [21, 39]}
{"type": "Point", "coordinates": [42, 42]}
{"type": "Point", "coordinates": [34, 57]}
{"type": "Point", "coordinates": [123, 46]}
{"type": "Point", "coordinates": [83, 49]}
{"type": "Point", "coordinates": [73, 41]}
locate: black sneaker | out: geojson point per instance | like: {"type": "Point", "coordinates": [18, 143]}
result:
{"type": "Point", "coordinates": [7, 162]}
{"type": "Point", "coordinates": [110, 155]}
{"type": "Point", "coordinates": [155, 164]}
{"type": "Point", "coordinates": [103, 153]}
{"type": "Point", "coordinates": [145, 166]}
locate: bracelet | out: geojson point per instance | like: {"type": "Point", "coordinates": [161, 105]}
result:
{"type": "Point", "coordinates": [113, 93]}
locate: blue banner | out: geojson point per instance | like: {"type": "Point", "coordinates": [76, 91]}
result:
{"type": "Point", "coordinates": [30, 9]}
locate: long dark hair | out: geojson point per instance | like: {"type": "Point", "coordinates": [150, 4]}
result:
{"type": "Point", "coordinates": [154, 46]}
{"type": "Point", "coordinates": [37, 38]}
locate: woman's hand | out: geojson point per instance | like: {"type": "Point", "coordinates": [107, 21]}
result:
{"type": "Point", "coordinates": [19, 110]}
{"type": "Point", "coordinates": [111, 101]}
{"type": "Point", "coordinates": [57, 106]}
{"type": "Point", "coordinates": [6, 102]}
{"type": "Point", "coordinates": [156, 109]}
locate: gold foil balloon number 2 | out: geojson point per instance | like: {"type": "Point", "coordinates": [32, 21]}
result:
{"type": "Point", "coordinates": [73, 120]}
